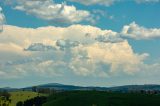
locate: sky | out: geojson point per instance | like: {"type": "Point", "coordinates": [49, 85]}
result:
{"type": "Point", "coordinates": [79, 42]}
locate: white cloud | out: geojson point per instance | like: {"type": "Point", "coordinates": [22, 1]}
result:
{"type": "Point", "coordinates": [49, 35]}
{"type": "Point", "coordinates": [2, 19]}
{"type": "Point", "coordinates": [102, 13]}
{"type": "Point", "coordinates": [50, 11]}
{"type": "Point", "coordinates": [135, 31]}
{"type": "Point", "coordinates": [93, 2]}
{"type": "Point", "coordinates": [147, 1]}
{"type": "Point", "coordinates": [110, 2]}
{"type": "Point", "coordinates": [117, 55]}
{"type": "Point", "coordinates": [82, 54]}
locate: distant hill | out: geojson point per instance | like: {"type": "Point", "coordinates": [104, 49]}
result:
{"type": "Point", "coordinates": [9, 89]}
{"type": "Point", "coordinates": [126, 88]}
{"type": "Point", "coordinates": [135, 87]}
{"type": "Point", "coordinates": [58, 86]}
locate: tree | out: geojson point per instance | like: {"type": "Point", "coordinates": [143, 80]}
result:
{"type": "Point", "coordinates": [37, 101]}
{"type": "Point", "coordinates": [34, 89]}
{"type": "Point", "coordinates": [19, 104]}
{"type": "Point", "coordinates": [4, 104]}
{"type": "Point", "coordinates": [6, 94]}
{"type": "Point", "coordinates": [44, 90]}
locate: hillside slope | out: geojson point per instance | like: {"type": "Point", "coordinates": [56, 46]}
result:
{"type": "Point", "coordinates": [97, 98]}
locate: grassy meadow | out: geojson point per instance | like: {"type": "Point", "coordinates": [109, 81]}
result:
{"type": "Point", "coordinates": [19, 96]}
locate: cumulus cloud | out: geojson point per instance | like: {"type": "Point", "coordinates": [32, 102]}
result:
{"type": "Point", "coordinates": [53, 12]}
{"type": "Point", "coordinates": [77, 51]}
{"type": "Point", "coordinates": [135, 31]}
{"type": "Point", "coordinates": [2, 19]}
{"type": "Point", "coordinates": [117, 55]}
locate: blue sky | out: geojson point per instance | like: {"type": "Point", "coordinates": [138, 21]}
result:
{"type": "Point", "coordinates": [101, 43]}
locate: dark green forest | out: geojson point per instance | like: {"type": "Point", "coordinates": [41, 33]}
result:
{"type": "Point", "coordinates": [100, 98]}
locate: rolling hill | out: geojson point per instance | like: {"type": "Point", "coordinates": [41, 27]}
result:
{"type": "Point", "coordinates": [58, 86]}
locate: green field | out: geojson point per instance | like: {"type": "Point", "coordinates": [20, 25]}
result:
{"type": "Point", "coordinates": [96, 98]}
{"type": "Point", "coordinates": [20, 96]}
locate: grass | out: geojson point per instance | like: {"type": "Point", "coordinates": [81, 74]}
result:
{"type": "Point", "coordinates": [20, 96]}
{"type": "Point", "coordinates": [96, 98]}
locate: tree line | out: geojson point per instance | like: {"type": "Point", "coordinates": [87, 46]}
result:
{"type": "Point", "coordinates": [37, 101]}
{"type": "Point", "coordinates": [4, 98]}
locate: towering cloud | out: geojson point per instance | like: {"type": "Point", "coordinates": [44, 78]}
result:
{"type": "Point", "coordinates": [78, 48]}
